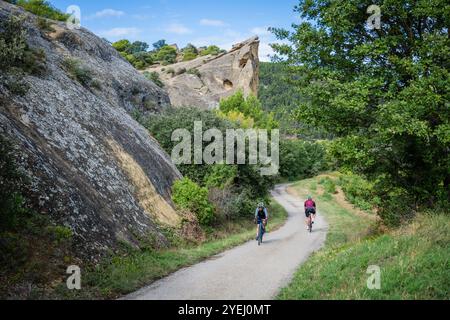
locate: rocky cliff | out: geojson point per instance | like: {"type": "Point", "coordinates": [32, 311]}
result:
{"type": "Point", "coordinates": [204, 81]}
{"type": "Point", "coordinates": [92, 167]}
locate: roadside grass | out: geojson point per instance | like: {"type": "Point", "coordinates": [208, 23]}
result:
{"type": "Point", "coordinates": [121, 275]}
{"type": "Point", "coordinates": [414, 260]}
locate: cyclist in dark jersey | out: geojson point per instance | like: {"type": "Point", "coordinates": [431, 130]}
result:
{"type": "Point", "coordinates": [261, 216]}
{"type": "Point", "coordinates": [310, 210]}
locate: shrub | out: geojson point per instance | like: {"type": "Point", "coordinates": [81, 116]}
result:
{"type": "Point", "coordinates": [13, 43]}
{"type": "Point", "coordinates": [301, 159]}
{"type": "Point", "coordinates": [43, 8]}
{"type": "Point", "coordinates": [195, 72]}
{"type": "Point", "coordinates": [188, 56]}
{"type": "Point", "coordinates": [359, 191]}
{"type": "Point", "coordinates": [186, 194]}
{"type": "Point", "coordinates": [250, 107]}
{"type": "Point", "coordinates": [166, 54]}
{"type": "Point", "coordinates": [221, 176]}
{"type": "Point", "coordinates": [80, 73]}
{"type": "Point", "coordinates": [213, 50]}
{"type": "Point", "coordinates": [328, 184]}
{"type": "Point", "coordinates": [12, 181]}
{"type": "Point", "coordinates": [180, 71]}
{"type": "Point", "coordinates": [154, 76]}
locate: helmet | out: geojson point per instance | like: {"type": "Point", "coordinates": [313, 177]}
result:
{"type": "Point", "coordinates": [309, 197]}
{"type": "Point", "coordinates": [261, 205]}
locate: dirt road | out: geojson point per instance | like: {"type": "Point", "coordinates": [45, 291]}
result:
{"type": "Point", "coordinates": [247, 272]}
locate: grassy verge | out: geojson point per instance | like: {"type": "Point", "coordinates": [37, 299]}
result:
{"type": "Point", "coordinates": [413, 260]}
{"type": "Point", "coordinates": [124, 274]}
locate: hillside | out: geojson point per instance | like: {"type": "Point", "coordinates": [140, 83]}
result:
{"type": "Point", "coordinates": [413, 259]}
{"type": "Point", "coordinates": [65, 100]}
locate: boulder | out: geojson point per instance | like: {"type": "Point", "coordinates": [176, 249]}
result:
{"type": "Point", "coordinates": [204, 81]}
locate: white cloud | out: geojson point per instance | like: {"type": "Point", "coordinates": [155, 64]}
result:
{"type": "Point", "coordinates": [265, 51]}
{"type": "Point", "coordinates": [107, 13]}
{"type": "Point", "coordinates": [120, 32]}
{"type": "Point", "coordinates": [261, 31]}
{"type": "Point", "coordinates": [178, 28]}
{"type": "Point", "coordinates": [212, 23]}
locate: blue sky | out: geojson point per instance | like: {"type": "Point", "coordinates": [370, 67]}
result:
{"type": "Point", "coordinates": [200, 22]}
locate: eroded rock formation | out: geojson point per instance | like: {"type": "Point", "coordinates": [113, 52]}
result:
{"type": "Point", "coordinates": [204, 81]}
{"type": "Point", "coordinates": [92, 167]}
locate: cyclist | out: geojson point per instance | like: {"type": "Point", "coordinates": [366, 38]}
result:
{"type": "Point", "coordinates": [310, 211]}
{"type": "Point", "coordinates": [261, 216]}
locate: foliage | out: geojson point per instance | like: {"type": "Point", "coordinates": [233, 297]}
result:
{"type": "Point", "coordinates": [213, 50]}
{"type": "Point", "coordinates": [135, 53]}
{"type": "Point", "coordinates": [42, 8]}
{"type": "Point", "coordinates": [195, 72]}
{"type": "Point", "coordinates": [16, 57]}
{"type": "Point", "coordinates": [246, 179]}
{"type": "Point", "coordinates": [80, 73]}
{"type": "Point", "coordinates": [328, 185]}
{"type": "Point", "coordinates": [159, 44]}
{"type": "Point", "coordinates": [278, 94]}
{"type": "Point", "coordinates": [12, 182]}
{"type": "Point", "coordinates": [166, 55]}
{"type": "Point", "coordinates": [186, 194]}
{"type": "Point", "coordinates": [154, 76]}
{"type": "Point", "coordinates": [249, 107]}
{"type": "Point", "coordinates": [221, 176]}
{"type": "Point", "coordinates": [359, 191]}
{"type": "Point", "coordinates": [383, 92]}
{"type": "Point", "coordinates": [190, 52]}
{"type": "Point", "coordinates": [301, 159]}
{"type": "Point", "coordinates": [239, 118]}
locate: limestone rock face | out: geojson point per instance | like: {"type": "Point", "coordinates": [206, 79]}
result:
{"type": "Point", "coordinates": [92, 167]}
{"type": "Point", "coordinates": [204, 81]}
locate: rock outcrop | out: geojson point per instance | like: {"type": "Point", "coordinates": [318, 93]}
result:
{"type": "Point", "coordinates": [204, 81]}
{"type": "Point", "coordinates": [92, 167]}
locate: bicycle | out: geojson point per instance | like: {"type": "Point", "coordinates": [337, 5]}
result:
{"type": "Point", "coordinates": [310, 223]}
{"type": "Point", "coordinates": [261, 231]}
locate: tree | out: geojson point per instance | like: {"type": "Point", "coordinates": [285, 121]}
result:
{"type": "Point", "coordinates": [138, 46]}
{"type": "Point", "coordinates": [383, 92]}
{"type": "Point", "coordinates": [159, 44]}
{"type": "Point", "coordinates": [122, 45]}
{"type": "Point", "coordinates": [167, 54]}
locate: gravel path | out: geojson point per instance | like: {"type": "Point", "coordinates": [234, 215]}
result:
{"type": "Point", "coordinates": [246, 272]}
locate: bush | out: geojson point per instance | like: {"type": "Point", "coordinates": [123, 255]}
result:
{"type": "Point", "coordinates": [328, 185]}
{"type": "Point", "coordinates": [250, 107]}
{"type": "Point", "coordinates": [195, 72]}
{"type": "Point", "coordinates": [12, 182]}
{"type": "Point", "coordinates": [166, 54]}
{"type": "Point", "coordinates": [154, 77]}
{"type": "Point", "coordinates": [359, 191]}
{"type": "Point", "coordinates": [221, 176]}
{"type": "Point", "coordinates": [186, 194]}
{"type": "Point", "coordinates": [301, 159]}
{"type": "Point", "coordinates": [43, 8]}
{"type": "Point", "coordinates": [13, 42]}
{"type": "Point", "coordinates": [188, 56]}
{"type": "Point", "coordinates": [213, 50]}
{"type": "Point", "coordinates": [80, 73]}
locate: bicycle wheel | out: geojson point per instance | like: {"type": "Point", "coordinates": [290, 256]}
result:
{"type": "Point", "coordinates": [310, 224]}
{"type": "Point", "coordinates": [260, 235]}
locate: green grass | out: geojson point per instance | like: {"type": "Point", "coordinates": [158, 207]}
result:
{"type": "Point", "coordinates": [413, 259]}
{"type": "Point", "coordinates": [124, 274]}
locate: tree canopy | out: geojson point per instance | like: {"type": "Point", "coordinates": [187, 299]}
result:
{"type": "Point", "coordinates": [383, 92]}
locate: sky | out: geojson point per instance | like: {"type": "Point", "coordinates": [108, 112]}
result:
{"type": "Point", "coordinates": [200, 22]}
